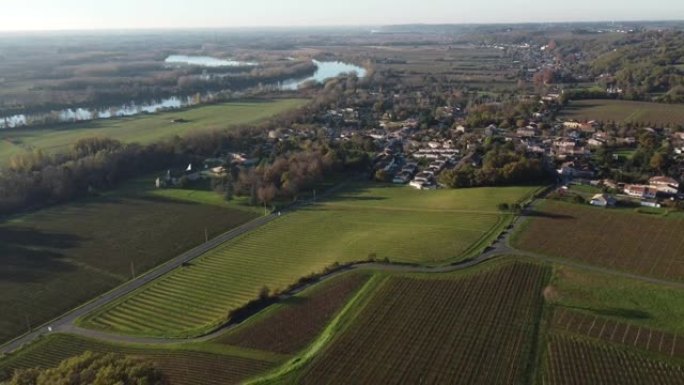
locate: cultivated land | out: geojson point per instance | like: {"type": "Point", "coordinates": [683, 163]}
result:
{"type": "Point", "coordinates": [398, 223]}
{"type": "Point", "coordinates": [293, 324]}
{"type": "Point", "coordinates": [142, 129]}
{"type": "Point", "coordinates": [475, 67]}
{"type": "Point", "coordinates": [626, 334]}
{"type": "Point", "coordinates": [618, 299]}
{"type": "Point", "coordinates": [184, 364]}
{"type": "Point", "coordinates": [57, 258]}
{"type": "Point", "coordinates": [575, 361]}
{"type": "Point", "coordinates": [438, 329]}
{"type": "Point", "coordinates": [623, 111]}
{"type": "Point", "coordinates": [619, 239]}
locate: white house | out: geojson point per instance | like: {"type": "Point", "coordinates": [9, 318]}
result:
{"type": "Point", "coordinates": [641, 191]}
{"type": "Point", "coordinates": [602, 200]}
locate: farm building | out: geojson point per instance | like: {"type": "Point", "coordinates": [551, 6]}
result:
{"type": "Point", "coordinates": [602, 200]}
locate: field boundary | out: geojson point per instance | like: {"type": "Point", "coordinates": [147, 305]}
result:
{"type": "Point", "coordinates": [323, 339]}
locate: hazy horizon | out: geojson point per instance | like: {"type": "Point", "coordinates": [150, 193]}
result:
{"type": "Point", "coordinates": [74, 15]}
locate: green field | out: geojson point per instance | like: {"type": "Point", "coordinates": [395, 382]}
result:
{"type": "Point", "coordinates": [620, 299]}
{"type": "Point", "coordinates": [142, 129]}
{"type": "Point", "coordinates": [623, 111]}
{"type": "Point", "coordinates": [398, 223]}
{"type": "Point", "coordinates": [57, 258]}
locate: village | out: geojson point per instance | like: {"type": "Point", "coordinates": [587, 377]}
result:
{"type": "Point", "coordinates": [405, 153]}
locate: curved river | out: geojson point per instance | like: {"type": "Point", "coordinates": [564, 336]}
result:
{"type": "Point", "coordinates": [325, 70]}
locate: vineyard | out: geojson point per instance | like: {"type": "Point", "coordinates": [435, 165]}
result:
{"type": "Point", "coordinates": [572, 361]}
{"type": "Point", "coordinates": [659, 114]}
{"type": "Point", "coordinates": [293, 325]}
{"type": "Point", "coordinates": [385, 222]}
{"type": "Point", "coordinates": [473, 330]}
{"type": "Point", "coordinates": [57, 258]}
{"type": "Point", "coordinates": [616, 239]}
{"type": "Point", "coordinates": [183, 367]}
{"type": "Point", "coordinates": [619, 332]}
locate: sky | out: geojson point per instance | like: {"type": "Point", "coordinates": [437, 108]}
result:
{"type": "Point", "coordinates": [25, 15]}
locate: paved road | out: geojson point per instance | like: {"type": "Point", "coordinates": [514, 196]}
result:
{"type": "Point", "coordinates": [66, 322]}
{"type": "Point", "coordinates": [67, 319]}
{"type": "Point", "coordinates": [500, 248]}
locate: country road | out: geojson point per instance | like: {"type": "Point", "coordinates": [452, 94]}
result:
{"type": "Point", "coordinates": [67, 320]}
{"type": "Point", "coordinates": [500, 248]}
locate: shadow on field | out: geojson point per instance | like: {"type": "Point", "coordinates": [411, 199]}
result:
{"type": "Point", "coordinates": [542, 214]}
{"type": "Point", "coordinates": [633, 314]}
{"type": "Point", "coordinates": [30, 255]}
{"type": "Point", "coordinates": [357, 198]}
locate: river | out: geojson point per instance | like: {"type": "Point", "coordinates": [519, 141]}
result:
{"type": "Point", "coordinates": [324, 70]}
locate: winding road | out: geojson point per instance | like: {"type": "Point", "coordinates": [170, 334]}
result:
{"type": "Point", "coordinates": [500, 248]}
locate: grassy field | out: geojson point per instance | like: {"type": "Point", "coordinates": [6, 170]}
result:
{"type": "Point", "coordinates": [293, 324]}
{"type": "Point", "coordinates": [142, 129]}
{"type": "Point", "coordinates": [184, 365]}
{"type": "Point", "coordinates": [618, 299]}
{"type": "Point", "coordinates": [624, 111]}
{"type": "Point", "coordinates": [619, 239]}
{"type": "Point", "coordinates": [571, 361]}
{"type": "Point", "coordinates": [57, 258]}
{"type": "Point", "coordinates": [456, 329]}
{"type": "Point", "coordinates": [398, 223]}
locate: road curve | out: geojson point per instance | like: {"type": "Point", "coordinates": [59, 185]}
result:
{"type": "Point", "coordinates": [67, 320]}
{"type": "Point", "coordinates": [500, 248]}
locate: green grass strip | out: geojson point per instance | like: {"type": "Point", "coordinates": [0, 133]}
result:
{"type": "Point", "coordinates": [322, 341]}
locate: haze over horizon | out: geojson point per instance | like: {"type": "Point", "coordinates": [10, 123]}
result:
{"type": "Point", "coordinates": [41, 15]}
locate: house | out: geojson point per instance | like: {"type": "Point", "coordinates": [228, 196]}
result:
{"type": "Point", "coordinates": [664, 184]}
{"type": "Point", "coordinates": [596, 142]}
{"type": "Point", "coordinates": [602, 200]}
{"type": "Point", "coordinates": [640, 191]}
{"type": "Point", "coordinates": [572, 124]}
{"type": "Point", "coordinates": [526, 132]}
{"type": "Point", "coordinates": [417, 184]}
{"type": "Point", "coordinates": [611, 184]}
{"type": "Point", "coordinates": [401, 178]}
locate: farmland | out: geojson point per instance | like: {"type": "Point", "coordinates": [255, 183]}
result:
{"type": "Point", "coordinates": [618, 332]}
{"type": "Point", "coordinates": [397, 223]}
{"type": "Point", "coordinates": [56, 258]}
{"type": "Point", "coordinates": [476, 67]}
{"type": "Point", "coordinates": [475, 329]}
{"type": "Point", "coordinates": [146, 129]}
{"type": "Point", "coordinates": [573, 361]}
{"type": "Point", "coordinates": [623, 111]}
{"type": "Point", "coordinates": [184, 365]}
{"type": "Point", "coordinates": [293, 324]}
{"type": "Point", "coordinates": [617, 239]}
{"type": "Point", "coordinates": [622, 300]}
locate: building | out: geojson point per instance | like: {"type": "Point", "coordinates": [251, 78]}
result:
{"type": "Point", "coordinates": [664, 184]}
{"type": "Point", "coordinates": [640, 191]}
{"type": "Point", "coordinates": [602, 200]}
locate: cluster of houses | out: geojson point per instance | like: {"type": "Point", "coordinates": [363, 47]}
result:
{"type": "Point", "coordinates": [646, 194]}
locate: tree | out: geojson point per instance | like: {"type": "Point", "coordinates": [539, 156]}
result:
{"type": "Point", "coordinates": [93, 369]}
{"type": "Point", "coordinates": [382, 176]}
{"type": "Point", "coordinates": [658, 162]}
